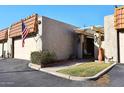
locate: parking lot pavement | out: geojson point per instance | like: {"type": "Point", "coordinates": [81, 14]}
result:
{"type": "Point", "coordinates": [116, 76]}
{"type": "Point", "coordinates": [9, 65]}
{"type": "Point", "coordinates": [15, 73]}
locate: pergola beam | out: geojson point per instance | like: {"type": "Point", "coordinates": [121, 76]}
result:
{"type": "Point", "coordinates": [96, 29]}
{"type": "Point", "coordinates": [83, 32]}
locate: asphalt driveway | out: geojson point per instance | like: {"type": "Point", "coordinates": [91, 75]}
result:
{"type": "Point", "coordinates": [116, 76]}
{"type": "Point", "coordinates": [15, 73]}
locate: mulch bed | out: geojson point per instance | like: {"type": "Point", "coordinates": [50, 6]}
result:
{"type": "Point", "coordinates": [68, 62]}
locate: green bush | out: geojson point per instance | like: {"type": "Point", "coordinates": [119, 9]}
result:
{"type": "Point", "coordinates": [36, 57]}
{"type": "Point", "coordinates": [43, 58]}
{"type": "Point", "coordinates": [47, 57]}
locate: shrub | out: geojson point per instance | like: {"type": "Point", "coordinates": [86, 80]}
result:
{"type": "Point", "coordinates": [36, 57]}
{"type": "Point", "coordinates": [47, 57]}
{"type": "Point", "coordinates": [43, 58]}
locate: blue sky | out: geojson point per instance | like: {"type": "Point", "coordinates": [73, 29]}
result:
{"type": "Point", "coordinates": [75, 15]}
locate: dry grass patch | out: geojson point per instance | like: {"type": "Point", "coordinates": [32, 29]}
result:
{"type": "Point", "coordinates": [85, 69]}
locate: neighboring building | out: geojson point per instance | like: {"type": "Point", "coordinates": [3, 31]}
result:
{"type": "Point", "coordinates": [47, 34]}
{"type": "Point", "coordinates": [3, 41]}
{"type": "Point", "coordinates": [111, 49]}
{"type": "Point", "coordinates": [114, 35]}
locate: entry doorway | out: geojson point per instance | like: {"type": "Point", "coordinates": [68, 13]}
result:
{"type": "Point", "coordinates": [88, 51]}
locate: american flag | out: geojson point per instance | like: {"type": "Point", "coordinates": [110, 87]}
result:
{"type": "Point", "coordinates": [25, 32]}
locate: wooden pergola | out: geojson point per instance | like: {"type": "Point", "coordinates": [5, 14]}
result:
{"type": "Point", "coordinates": [83, 32]}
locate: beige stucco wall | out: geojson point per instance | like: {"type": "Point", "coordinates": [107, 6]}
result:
{"type": "Point", "coordinates": [110, 38]}
{"type": "Point", "coordinates": [9, 44]}
{"type": "Point", "coordinates": [3, 48]}
{"type": "Point", "coordinates": [58, 37]}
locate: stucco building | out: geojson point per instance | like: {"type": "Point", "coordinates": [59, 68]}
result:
{"type": "Point", "coordinates": [47, 34]}
{"type": "Point", "coordinates": [114, 35]}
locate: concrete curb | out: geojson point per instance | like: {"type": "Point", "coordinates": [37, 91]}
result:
{"type": "Point", "coordinates": [74, 78]}
{"type": "Point", "coordinates": [2, 58]}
